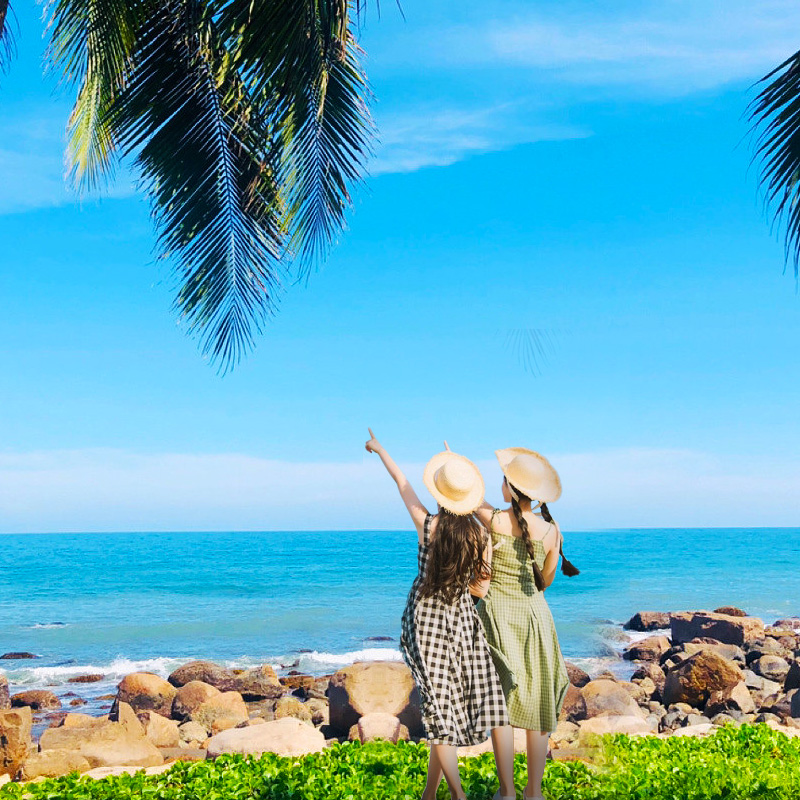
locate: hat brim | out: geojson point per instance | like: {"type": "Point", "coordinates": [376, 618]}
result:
{"type": "Point", "coordinates": [546, 492]}
{"type": "Point", "coordinates": [467, 504]}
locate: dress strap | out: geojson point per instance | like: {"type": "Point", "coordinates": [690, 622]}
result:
{"type": "Point", "coordinates": [426, 530]}
{"type": "Point", "coordinates": [495, 512]}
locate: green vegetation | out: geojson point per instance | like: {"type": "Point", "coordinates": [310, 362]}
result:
{"type": "Point", "coordinates": [736, 764]}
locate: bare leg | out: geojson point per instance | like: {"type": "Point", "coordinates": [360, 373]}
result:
{"type": "Point", "coordinates": [503, 745]}
{"type": "Point", "coordinates": [448, 762]}
{"type": "Point", "coordinates": [537, 756]}
{"type": "Point", "coordinates": [434, 776]}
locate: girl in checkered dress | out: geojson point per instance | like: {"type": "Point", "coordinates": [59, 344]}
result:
{"type": "Point", "coordinates": [442, 637]}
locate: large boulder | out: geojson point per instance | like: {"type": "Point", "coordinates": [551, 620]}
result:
{"type": "Point", "coordinates": [649, 649]}
{"type": "Point", "coordinates": [731, 611]}
{"type": "Point", "coordinates": [771, 667]}
{"type": "Point", "coordinates": [732, 698]}
{"type": "Point", "coordinates": [285, 737]}
{"type": "Point", "coordinates": [688, 625]}
{"type": "Point", "coordinates": [730, 651]}
{"type": "Point", "coordinates": [143, 691]}
{"type": "Point", "coordinates": [795, 705]}
{"type": "Point", "coordinates": [162, 732]}
{"type": "Point", "coordinates": [648, 621]}
{"type": "Point", "coordinates": [633, 725]}
{"type": "Point", "coordinates": [375, 686]}
{"type": "Point", "coordinates": [608, 698]}
{"type": "Point", "coordinates": [37, 699]}
{"type": "Point", "coordinates": [574, 706]}
{"type": "Point", "coordinates": [205, 671]}
{"type": "Point", "coordinates": [17, 656]}
{"type": "Point", "coordinates": [577, 676]}
{"type": "Point", "coordinates": [378, 726]}
{"type": "Point", "coordinates": [792, 679]}
{"type": "Point", "coordinates": [126, 716]}
{"type": "Point", "coordinates": [650, 672]}
{"type": "Point", "coordinates": [292, 707]}
{"type": "Point", "coordinates": [192, 733]}
{"type": "Point", "coordinates": [51, 764]}
{"type": "Point", "coordinates": [5, 700]}
{"type": "Point", "coordinates": [106, 745]}
{"type": "Point", "coordinates": [259, 683]}
{"type": "Point", "coordinates": [694, 679]}
{"type": "Point", "coordinates": [222, 711]}
{"type": "Point", "coordinates": [15, 739]}
{"type": "Point", "coordinates": [190, 697]}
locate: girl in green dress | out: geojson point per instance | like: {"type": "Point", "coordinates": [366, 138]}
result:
{"type": "Point", "coordinates": [517, 620]}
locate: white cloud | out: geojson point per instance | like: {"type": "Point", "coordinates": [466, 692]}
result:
{"type": "Point", "coordinates": [105, 490]}
{"type": "Point", "coordinates": [671, 47]}
{"type": "Point", "coordinates": [427, 137]}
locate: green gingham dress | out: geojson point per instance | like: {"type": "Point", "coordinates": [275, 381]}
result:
{"type": "Point", "coordinates": [522, 636]}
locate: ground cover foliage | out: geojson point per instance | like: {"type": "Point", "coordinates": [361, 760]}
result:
{"type": "Point", "coordinates": [735, 764]}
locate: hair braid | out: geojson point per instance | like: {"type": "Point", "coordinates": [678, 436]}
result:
{"type": "Point", "coordinates": [538, 578]}
{"type": "Point", "coordinates": [567, 567]}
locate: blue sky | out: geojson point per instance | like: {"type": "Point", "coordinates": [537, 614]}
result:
{"type": "Point", "coordinates": [575, 168]}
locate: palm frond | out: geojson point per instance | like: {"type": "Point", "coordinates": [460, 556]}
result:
{"type": "Point", "coordinates": [775, 114]}
{"type": "Point", "coordinates": [303, 54]}
{"type": "Point", "coordinates": [93, 42]}
{"type": "Point", "coordinates": [7, 47]}
{"type": "Point", "coordinates": [208, 166]}
{"type": "Point", "coordinates": [531, 347]}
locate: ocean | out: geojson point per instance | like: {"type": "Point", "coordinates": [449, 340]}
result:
{"type": "Point", "coordinates": [315, 601]}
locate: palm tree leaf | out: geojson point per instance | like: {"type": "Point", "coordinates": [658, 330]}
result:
{"type": "Point", "coordinates": [207, 163]}
{"type": "Point", "coordinates": [6, 35]}
{"type": "Point", "coordinates": [531, 347]}
{"type": "Point", "coordinates": [775, 114]}
{"type": "Point", "coordinates": [303, 54]}
{"type": "Point", "coordinates": [92, 42]}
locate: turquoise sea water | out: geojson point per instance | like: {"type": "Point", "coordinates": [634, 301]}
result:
{"type": "Point", "coordinates": [115, 603]}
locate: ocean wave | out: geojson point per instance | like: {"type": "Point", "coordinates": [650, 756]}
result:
{"type": "Point", "coordinates": [44, 625]}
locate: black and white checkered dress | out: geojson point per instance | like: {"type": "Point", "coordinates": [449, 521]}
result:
{"type": "Point", "coordinates": [446, 650]}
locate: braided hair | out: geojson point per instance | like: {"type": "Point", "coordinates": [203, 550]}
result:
{"type": "Point", "coordinates": [567, 567]}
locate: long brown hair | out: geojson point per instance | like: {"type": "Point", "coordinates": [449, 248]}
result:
{"type": "Point", "coordinates": [567, 567]}
{"type": "Point", "coordinates": [456, 555]}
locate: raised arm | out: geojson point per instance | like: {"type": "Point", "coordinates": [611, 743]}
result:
{"type": "Point", "coordinates": [484, 514]}
{"type": "Point", "coordinates": [415, 508]}
{"type": "Point", "coordinates": [551, 560]}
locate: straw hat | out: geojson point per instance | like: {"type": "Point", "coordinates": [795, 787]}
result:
{"type": "Point", "coordinates": [455, 482]}
{"type": "Point", "coordinates": [531, 473]}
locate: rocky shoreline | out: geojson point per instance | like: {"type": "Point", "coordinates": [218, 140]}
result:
{"type": "Point", "coordinates": [696, 670]}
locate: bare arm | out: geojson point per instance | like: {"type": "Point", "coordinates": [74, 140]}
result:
{"type": "Point", "coordinates": [415, 508]}
{"type": "Point", "coordinates": [484, 514]}
{"type": "Point", "coordinates": [480, 583]}
{"type": "Point", "coordinates": [551, 560]}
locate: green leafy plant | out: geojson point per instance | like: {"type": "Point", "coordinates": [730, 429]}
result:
{"type": "Point", "coordinates": [746, 763]}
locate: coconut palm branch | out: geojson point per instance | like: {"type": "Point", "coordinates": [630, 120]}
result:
{"type": "Point", "coordinates": [245, 147]}
{"type": "Point", "coordinates": [775, 114]}
{"type": "Point", "coordinates": [531, 347]}
{"type": "Point", "coordinates": [6, 35]}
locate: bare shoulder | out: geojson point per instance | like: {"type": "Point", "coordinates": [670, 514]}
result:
{"type": "Point", "coordinates": [432, 526]}
{"type": "Point", "coordinates": [502, 521]}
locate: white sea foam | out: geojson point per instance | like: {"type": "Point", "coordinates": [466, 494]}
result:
{"type": "Point", "coordinates": [44, 625]}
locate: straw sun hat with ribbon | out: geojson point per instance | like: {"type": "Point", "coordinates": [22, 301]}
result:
{"type": "Point", "coordinates": [455, 482]}
{"type": "Point", "coordinates": [531, 473]}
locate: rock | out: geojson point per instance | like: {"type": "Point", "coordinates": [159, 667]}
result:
{"type": "Point", "coordinates": [636, 691]}
{"type": "Point", "coordinates": [375, 686]}
{"type": "Point", "coordinates": [731, 611]}
{"type": "Point", "coordinates": [577, 676]}
{"type": "Point", "coordinates": [771, 667]}
{"type": "Point", "coordinates": [648, 687]}
{"type": "Point", "coordinates": [143, 691]}
{"type": "Point", "coordinates": [320, 714]}
{"type": "Point", "coordinates": [652, 672]}
{"type": "Point", "coordinates": [86, 678]}
{"type": "Point", "coordinates": [126, 717]}
{"type": "Point", "coordinates": [791, 681]}
{"type": "Point", "coordinates": [191, 696]}
{"type": "Point", "coordinates": [292, 707]}
{"type": "Point", "coordinates": [320, 688]}
{"type": "Point", "coordinates": [730, 651]}
{"type": "Point", "coordinates": [698, 676]}
{"type": "Point", "coordinates": [648, 621]}
{"type": "Point", "coordinates": [607, 698]}
{"type": "Point", "coordinates": [5, 699]}
{"type": "Point", "coordinates": [790, 623]}
{"type": "Point", "coordinates": [634, 725]}
{"type": "Point", "coordinates": [77, 721]}
{"type": "Point", "coordinates": [37, 699]}
{"type": "Point", "coordinates": [700, 729]}
{"type": "Point", "coordinates": [222, 711]}
{"type": "Point", "coordinates": [204, 671]}
{"type": "Point", "coordinates": [105, 745]}
{"type": "Point", "coordinates": [162, 732]}
{"type": "Point", "coordinates": [293, 682]}
{"type": "Point", "coordinates": [781, 705]}
{"type": "Point", "coordinates": [260, 683]}
{"type": "Point", "coordinates": [649, 649]}
{"type": "Point", "coordinates": [15, 739]}
{"type": "Point", "coordinates": [285, 737]}
{"type": "Point", "coordinates": [378, 725]}
{"type": "Point", "coordinates": [688, 625]}
{"type": "Point", "coordinates": [51, 764]}
{"type": "Point", "coordinates": [77, 701]}
{"type": "Point", "coordinates": [574, 707]}
{"type": "Point", "coordinates": [192, 732]}
{"type": "Point", "coordinates": [724, 719]}
{"type": "Point", "coordinates": [17, 656]}
{"type": "Point", "coordinates": [767, 716]}
{"type": "Point", "coordinates": [735, 698]}
{"type": "Point", "coordinates": [605, 675]}
{"type": "Point", "coordinates": [565, 734]}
